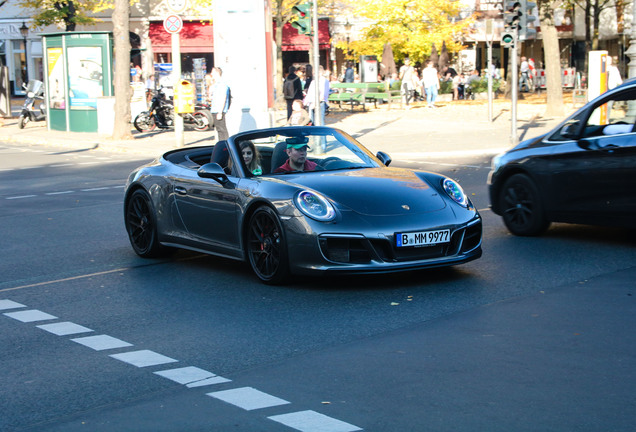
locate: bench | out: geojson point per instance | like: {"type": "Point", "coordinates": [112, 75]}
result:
{"type": "Point", "coordinates": [361, 93]}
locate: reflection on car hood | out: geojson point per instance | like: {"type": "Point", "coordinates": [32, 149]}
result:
{"type": "Point", "coordinates": [374, 191]}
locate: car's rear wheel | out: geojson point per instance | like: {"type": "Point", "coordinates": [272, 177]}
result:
{"type": "Point", "coordinates": [141, 225]}
{"type": "Point", "coordinates": [521, 206]}
{"type": "Point", "coordinates": [266, 246]}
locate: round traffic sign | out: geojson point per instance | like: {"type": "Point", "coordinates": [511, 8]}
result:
{"type": "Point", "coordinates": [173, 24]}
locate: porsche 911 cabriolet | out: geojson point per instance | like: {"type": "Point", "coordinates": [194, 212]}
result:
{"type": "Point", "coordinates": [300, 200]}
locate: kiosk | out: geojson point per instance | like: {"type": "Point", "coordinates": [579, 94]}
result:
{"type": "Point", "coordinates": [78, 70]}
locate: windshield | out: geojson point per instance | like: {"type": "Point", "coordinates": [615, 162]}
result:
{"type": "Point", "coordinates": [308, 149]}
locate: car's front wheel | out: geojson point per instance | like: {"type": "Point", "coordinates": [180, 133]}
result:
{"type": "Point", "coordinates": [266, 247]}
{"type": "Point", "coordinates": [521, 206]}
{"type": "Point", "coordinates": [141, 225]}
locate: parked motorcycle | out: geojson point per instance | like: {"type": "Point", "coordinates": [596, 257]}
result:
{"type": "Point", "coordinates": [33, 108]}
{"type": "Point", "coordinates": [161, 115]}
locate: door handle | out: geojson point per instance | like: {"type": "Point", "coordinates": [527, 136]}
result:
{"type": "Point", "coordinates": [180, 190]}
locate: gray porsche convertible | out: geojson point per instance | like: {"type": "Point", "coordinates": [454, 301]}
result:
{"type": "Point", "coordinates": [300, 200]}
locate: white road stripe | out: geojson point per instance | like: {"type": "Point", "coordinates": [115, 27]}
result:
{"type": "Point", "coordinates": [95, 189]}
{"type": "Point", "coordinates": [30, 315]}
{"type": "Point", "coordinates": [20, 197]}
{"type": "Point", "coordinates": [311, 421]}
{"type": "Point", "coordinates": [61, 165]}
{"type": "Point", "coordinates": [209, 381]}
{"type": "Point", "coordinates": [64, 328]}
{"type": "Point", "coordinates": [59, 193]}
{"type": "Point", "coordinates": [10, 304]}
{"type": "Point", "coordinates": [102, 342]}
{"type": "Point", "coordinates": [189, 375]}
{"type": "Point", "coordinates": [143, 358]}
{"type": "Point", "coordinates": [248, 398]}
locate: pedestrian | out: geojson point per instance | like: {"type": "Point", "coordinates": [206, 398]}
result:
{"type": "Point", "coordinates": [524, 69]}
{"type": "Point", "coordinates": [613, 74]}
{"type": "Point", "coordinates": [309, 76]}
{"type": "Point", "coordinates": [220, 103]}
{"type": "Point", "coordinates": [299, 116]}
{"type": "Point", "coordinates": [406, 75]}
{"type": "Point", "coordinates": [292, 89]}
{"type": "Point", "coordinates": [349, 74]}
{"type": "Point", "coordinates": [431, 83]}
{"type": "Point", "coordinates": [309, 101]}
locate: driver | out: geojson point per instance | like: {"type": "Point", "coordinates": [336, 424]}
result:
{"type": "Point", "coordinates": [297, 151]}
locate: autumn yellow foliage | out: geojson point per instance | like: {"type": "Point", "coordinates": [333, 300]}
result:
{"type": "Point", "coordinates": [411, 26]}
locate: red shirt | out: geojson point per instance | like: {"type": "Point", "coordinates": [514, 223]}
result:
{"type": "Point", "coordinates": [309, 166]}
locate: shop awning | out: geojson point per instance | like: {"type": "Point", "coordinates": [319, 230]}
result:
{"type": "Point", "coordinates": [196, 37]}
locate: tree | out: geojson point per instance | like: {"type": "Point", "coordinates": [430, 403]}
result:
{"type": "Point", "coordinates": [65, 14]}
{"type": "Point", "coordinates": [592, 10]}
{"type": "Point", "coordinates": [552, 57]}
{"type": "Point", "coordinates": [121, 36]}
{"type": "Point", "coordinates": [411, 26]}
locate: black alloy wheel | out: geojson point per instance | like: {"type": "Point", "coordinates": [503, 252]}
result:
{"type": "Point", "coordinates": [141, 225]}
{"type": "Point", "coordinates": [145, 122]}
{"type": "Point", "coordinates": [521, 207]}
{"type": "Point", "coordinates": [266, 246]}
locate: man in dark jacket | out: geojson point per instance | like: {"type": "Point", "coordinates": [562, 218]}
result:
{"type": "Point", "coordinates": [292, 82]}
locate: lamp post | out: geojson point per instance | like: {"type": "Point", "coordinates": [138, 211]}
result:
{"type": "Point", "coordinates": [347, 28]}
{"type": "Point", "coordinates": [24, 31]}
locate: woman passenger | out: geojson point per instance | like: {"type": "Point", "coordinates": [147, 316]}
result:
{"type": "Point", "coordinates": [251, 157]}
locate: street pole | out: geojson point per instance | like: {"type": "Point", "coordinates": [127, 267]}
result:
{"type": "Point", "coordinates": [515, 89]}
{"type": "Point", "coordinates": [176, 70]}
{"type": "Point", "coordinates": [314, 25]}
{"type": "Point", "coordinates": [631, 52]}
{"type": "Point", "coordinates": [489, 40]}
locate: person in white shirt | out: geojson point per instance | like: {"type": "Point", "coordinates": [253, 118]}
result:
{"type": "Point", "coordinates": [430, 80]}
{"type": "Point", "coordinates": [613, 74]}
{"type": "Point", "coordinates": [324, 96]}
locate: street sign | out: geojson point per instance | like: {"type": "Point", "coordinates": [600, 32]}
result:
{"type": "Point", "coordinates": [173, 24]}
{"type": "Point", "coordinates": [177, 6]}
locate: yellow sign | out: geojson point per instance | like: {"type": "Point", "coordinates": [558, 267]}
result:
{"type": "Point", "coordinates": [184, 97]}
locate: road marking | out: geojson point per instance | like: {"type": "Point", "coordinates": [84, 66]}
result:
{"type": "Point", "coordinates": [10, 304]}
{"type": "Point", "coordinates": [20, 197]}
{"type": "Point", "coordinates": [64, 328]}
{"type": "Point", "coordinates": [191, 375]}
{"type": "Point", "coordinates": [61, 165]}
{"type": "Point", "coordinates": [310, 421]}
{"type": "Point", "coordinates": [248, 398]}
{"type": "Point", "coordinates": [59, 193]}
{"type": "Point", "coordinates": [66, 279]}
{"type": "Point", "coordinates": [30, 316]}
{"type": "Point", "coordinates": [102, 342]}
{"type": "Point", "coordinates": [95, 189]}
{"type": "Point", "coordinates": [143, 358]}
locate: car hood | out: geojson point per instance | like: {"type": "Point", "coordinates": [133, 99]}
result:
{"type": "Point", "coordinates": [375, 191]}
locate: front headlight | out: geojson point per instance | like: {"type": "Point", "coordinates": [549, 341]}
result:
{"type": "Point", "coordinates": [315, 206]}
{"type": "Point", "coordinates": [455, 191]}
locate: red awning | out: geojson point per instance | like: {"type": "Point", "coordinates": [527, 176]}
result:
{"type": "Point", "coordinates": [292, 41]}
{"type": "Point", "coordinates": [196, 37]}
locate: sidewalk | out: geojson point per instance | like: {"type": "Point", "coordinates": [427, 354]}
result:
{"type": "Point", "coordinates": [454, 128]}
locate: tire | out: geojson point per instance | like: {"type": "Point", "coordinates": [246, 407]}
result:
{"type": "Point", "coordinates": [521, 207]}
{"type": "Point", "coordinates": [22, 122]}
{"type": "Point", "coordinates": [141, 225]}
{"type": "Point", "coordinates": [202, 121]}
{"type": "Point", "coordinates": [266, 246]}
{"type": "Point", "coordinates": [144, 122]}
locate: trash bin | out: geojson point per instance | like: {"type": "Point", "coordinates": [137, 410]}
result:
{"type": "Point", "coordinates": [105, 115]}
{"type": "Point", "coordinates": [184, 97]}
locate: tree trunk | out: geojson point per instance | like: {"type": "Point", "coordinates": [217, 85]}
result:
{"type": "Point", "coordinates": [121, 28]}
{"type": "Point", "coordinates": [555, 107]}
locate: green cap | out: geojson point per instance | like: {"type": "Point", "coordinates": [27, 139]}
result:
{"type": "Point", "coordinates": [297, 142]}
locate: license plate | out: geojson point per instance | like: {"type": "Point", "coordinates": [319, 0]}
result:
{"type": "Point", "coordinates": [422, 238]}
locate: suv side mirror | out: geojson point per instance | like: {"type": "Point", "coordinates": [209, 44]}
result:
{"type": "Point", "coordinates": [213, 171]}
{"type": "Point", "coordinates": [569, 130]}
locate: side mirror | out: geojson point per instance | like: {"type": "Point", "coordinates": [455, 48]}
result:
{"type": "Point", "coordinates": [213, 171]}
{"type": "Point", "coordinates": [569, 130]}
{"type": "Point", "coordinates": [384, 158]}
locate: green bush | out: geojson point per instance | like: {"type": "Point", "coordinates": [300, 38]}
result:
{"type": "Point", "coordinates": [481, 85]}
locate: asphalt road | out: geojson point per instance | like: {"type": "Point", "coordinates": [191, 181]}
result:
{"type": "Point", "coordinates": [535, 335]}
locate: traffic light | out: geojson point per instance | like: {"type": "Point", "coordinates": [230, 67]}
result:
{"type": "Point", "coordinates": [303, 22]}
{"type": "Point", "coordinates": [512, 17]}
{"type": "Point", "coordinates": [525, 32]}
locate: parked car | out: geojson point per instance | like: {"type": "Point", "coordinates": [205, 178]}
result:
{"type": "Point", "coordinates": [351, 214]}
{"type": "Point", "coordinates": [583, 171]}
